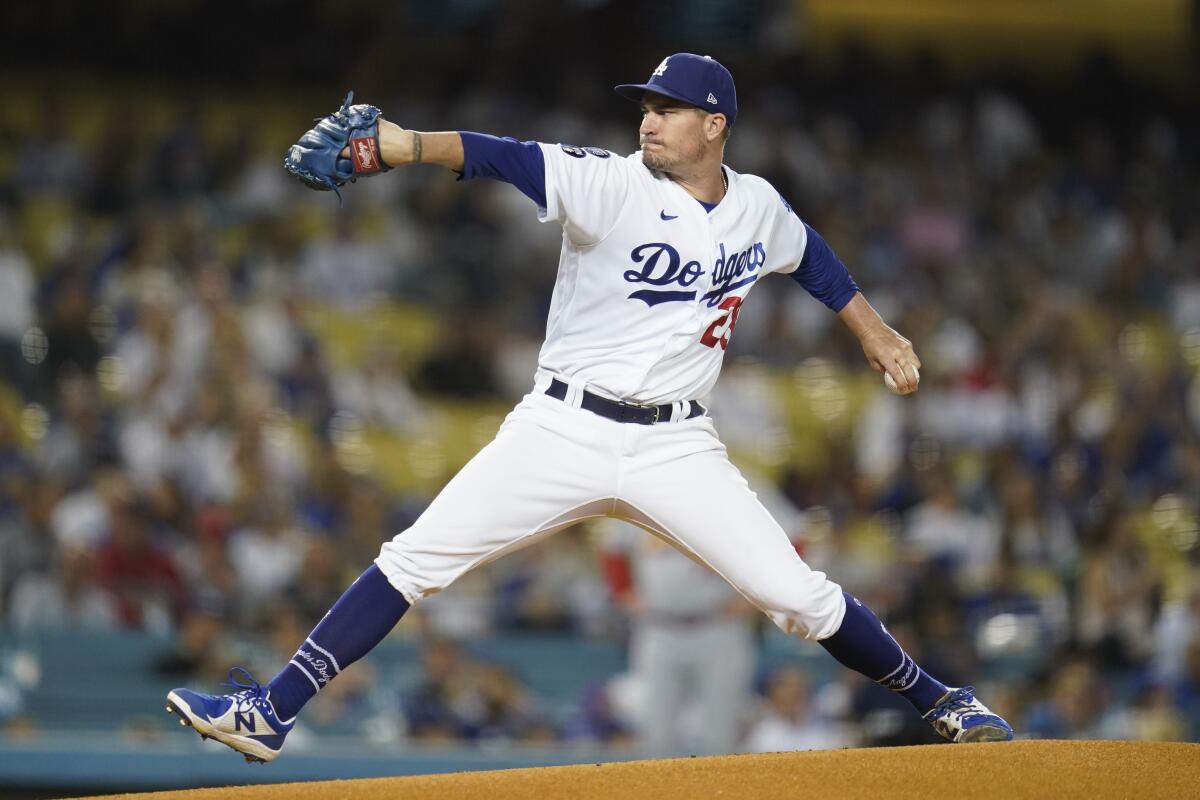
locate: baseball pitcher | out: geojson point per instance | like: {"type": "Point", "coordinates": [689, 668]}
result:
{"type": "Point", "coordinates": [660, 249]}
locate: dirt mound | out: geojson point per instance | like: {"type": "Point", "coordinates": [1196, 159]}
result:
{"type": "Point", "coordinates": [1035, 769]}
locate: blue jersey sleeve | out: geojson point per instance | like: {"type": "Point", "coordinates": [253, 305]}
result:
{"type": "Point", "coordinates": [823, 274]}
{"type": "Point", "coordinates": [519, 163]}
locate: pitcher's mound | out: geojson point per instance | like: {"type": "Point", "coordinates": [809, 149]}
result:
{"type": "Point", "coordinates": [1000, 771]}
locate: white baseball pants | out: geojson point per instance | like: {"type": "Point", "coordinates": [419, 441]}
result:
{"type": "Point", "coordinates": [553, 464]}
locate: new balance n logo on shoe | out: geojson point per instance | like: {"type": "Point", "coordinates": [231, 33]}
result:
{"type": "Point", "coordinates": [233, 719]}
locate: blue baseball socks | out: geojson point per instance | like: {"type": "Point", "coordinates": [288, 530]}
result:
{"type": "Point", "coordinates": [362, 616]}
{"type": "Point", "coordinates": [371, 607]}
{"type": "Point", "coordinates": [865, 646]}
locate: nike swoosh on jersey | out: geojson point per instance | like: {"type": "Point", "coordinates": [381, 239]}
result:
{"type": "Point", "coordinates": [667, 217]}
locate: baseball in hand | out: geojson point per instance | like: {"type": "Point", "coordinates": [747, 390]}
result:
{"type": "Point", "coordinates": [890, 382]}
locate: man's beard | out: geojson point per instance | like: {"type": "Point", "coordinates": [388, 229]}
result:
{"type": "Point", "coordinates": [657, 161]}
{"type": "Point", "coordinates": [661, 162]}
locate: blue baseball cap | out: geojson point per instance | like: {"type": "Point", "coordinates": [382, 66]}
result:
{"type": "Point", "coordinates": [700, 81]}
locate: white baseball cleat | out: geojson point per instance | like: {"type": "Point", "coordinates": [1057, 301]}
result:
{"type": "Point", "coordinates": [245, 720]}
{"type": "Point", "coordinates": [961, 718]}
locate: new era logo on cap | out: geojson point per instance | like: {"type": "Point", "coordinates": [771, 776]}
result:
{"type": "Point", "coordinates": [700, 81]}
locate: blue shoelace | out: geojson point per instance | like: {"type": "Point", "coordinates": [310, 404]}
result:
{"type": "Point", "coordinates": [250, 693]}
{"type": "Point", "coordinates": [960, 700]}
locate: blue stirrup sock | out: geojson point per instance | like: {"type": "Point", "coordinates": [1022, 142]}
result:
{"type": "Point", "coordinates": [362, 616]}
{"type": "Point", "coordinates": [864, 645]}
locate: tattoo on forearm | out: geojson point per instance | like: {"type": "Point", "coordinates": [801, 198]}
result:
{"type": "Point", "coordinates": [416, 147]}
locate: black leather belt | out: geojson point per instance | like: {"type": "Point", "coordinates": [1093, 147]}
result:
{"type": "Point", "coordinates": [622, 412]}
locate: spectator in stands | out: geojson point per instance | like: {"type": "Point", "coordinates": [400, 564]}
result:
{"type": "Point", "coordinates": [346, 269]}
{"type": "Point", "coordinates": [1187, 690]}
{"type": "Point", "coordinates": [368, 522]}
{"type": "Point", "coordinates": [71, 349]}
{"type": "Point", "coordinates": [318, 582]}
{"type": "Point", "coordinates": [597, 721]}
{"type": "Point", "coordinates": [1176, 632]}
{"type": "Point", "coordinates": [51, 164]}
{"type": "Point", "coordinates": [460, 698]}
{"type": "Point", "coordinates": [1014, 616]}
{"type": "Point", "coordinates": [139, 573]}
{"type": "Point", "coordinates": [379, 394]}
{"type": "Point", "coordinates": [438, 710]}
{"type": "Point", "coordinates": [201, 647]}
{"type": "Point", "coordinates": [81, 437]}
{"type": "Point", "coordinates": [942, 528]}
{"type": "Point", "coordinates": [1034, 536]}
{"type": "Point", "coordinates": [267, 552]}
{"type": "Point", "coordinates": [1072, 706]}
{"type": "Point", "coordinates": [112, 161]}
{"type": "Point", "coordinates": [17, 310]}
{"type": "Point", "coordinates": [554, 588]}
{"type": "Point", "coordinates": [507, 710]}
{"type": "Point", "coordinates": [462, 362]}
{"type": "Point", "coordinates": [1156, 717]}
{"type": "Point", "coordinates": [1119, 596]}
{"type": "Point", "coordinates": [27, 545]}
{"type": "Point", "coordinates": [69, 597]}
{"type": "Point", "coordinates": [787, 721]}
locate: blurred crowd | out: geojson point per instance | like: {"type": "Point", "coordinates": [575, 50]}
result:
{"type": "Point", "coordinates": [172, 420]}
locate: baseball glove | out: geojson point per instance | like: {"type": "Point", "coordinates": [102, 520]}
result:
{"type": "Point", "coordinates": [317, 158]}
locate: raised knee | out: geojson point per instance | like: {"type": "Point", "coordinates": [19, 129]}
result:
{"type": "Point", "coordinates": [397, 564]}
{"type": "Point", "coordinates": [814, 612]}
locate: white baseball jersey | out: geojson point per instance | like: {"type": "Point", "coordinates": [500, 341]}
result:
{"type": "Point", "coordinates": [649, 282]}
{"type": "Point", "coordinates": [648, 291]}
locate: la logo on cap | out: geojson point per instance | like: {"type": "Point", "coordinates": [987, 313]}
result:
{"type": "Point", "coordinates": [661, 68]}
